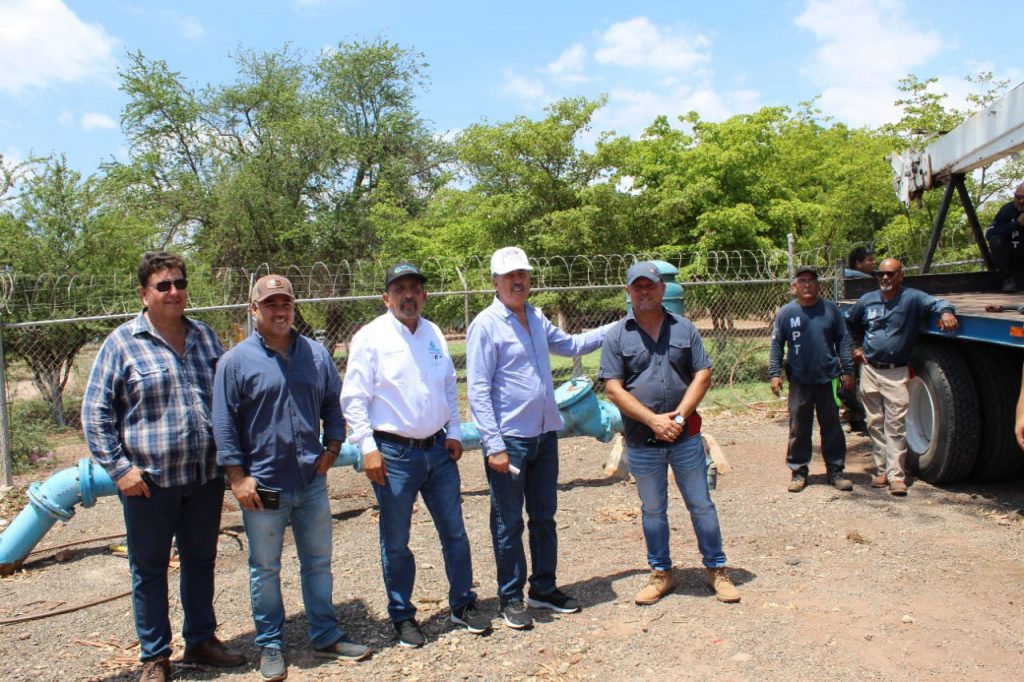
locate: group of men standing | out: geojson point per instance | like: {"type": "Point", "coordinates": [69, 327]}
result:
{"type": "Point", "coordinates": [820, 345]}
{"type": "Point", "coordinates": [169, 414]}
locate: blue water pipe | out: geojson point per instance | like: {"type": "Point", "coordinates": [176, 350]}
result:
{"type": "Point", "coordinates": [55, 499]}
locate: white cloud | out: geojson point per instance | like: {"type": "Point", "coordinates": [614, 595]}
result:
{"type": "Point", "coordinates": [524, 88]}
{"type": "Point", "coordinates": [568, 68]}
{"type": "Point", "coordinates": [95, 121]}
{"type": "Point", "coordinates": [42, 42]}
{"type": "Point", "coordinates": [629, 111]}
{"type": "Point", "coordinates": [864, 48]}
{"type": "Point", "coordinates": [65, 119]}
{"type": "Point", "coordinates": [638, 43]}
{"type": "Point", "coordinates": [189, 27]}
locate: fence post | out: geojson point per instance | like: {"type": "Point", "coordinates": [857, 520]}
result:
{"type": "Point", "coordinates": [6, 460]}
{"type": "Point", "coordinates": [791, 255]}
{"type": "Point", "coordinates": [465, 300]}
{"type": "Point", "coordinates": [838, 288]}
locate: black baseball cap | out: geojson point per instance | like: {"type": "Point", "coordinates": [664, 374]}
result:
{"type": "Point", "coordinates": [801, 269]}
{"type": "Point", "coordinates": [403, 270]}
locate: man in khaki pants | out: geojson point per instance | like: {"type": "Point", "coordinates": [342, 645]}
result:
{"type": "Point", "coordinates": [889, 320]}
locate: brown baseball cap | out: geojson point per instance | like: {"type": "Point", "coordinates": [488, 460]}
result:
{"type": "Point", "coordinates": [270, 285]}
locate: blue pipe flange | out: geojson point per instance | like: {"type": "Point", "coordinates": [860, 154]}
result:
{"type": "Point", "coordinates": [40, 501]}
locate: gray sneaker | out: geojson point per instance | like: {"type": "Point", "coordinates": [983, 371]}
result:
{"type": "Point", "coordinates": [272, 667]}
{"type": "Point", "coordinates": [799, 481]}
{"type": "Point", "coordinates": [345, 650]}
{"type": "Point", "coordinates": [515, 614]}
{"type": "Point", "coordinates": [468, 617]}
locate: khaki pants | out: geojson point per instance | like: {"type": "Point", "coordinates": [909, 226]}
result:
{"type": "Point", "coordinates": [886, 398]}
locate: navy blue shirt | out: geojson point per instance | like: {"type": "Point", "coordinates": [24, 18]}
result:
{"type": "Point", "coordinates": [657, 372]}
{"type": "Point", "coordinates": [819, 347]}
{"type": "Point", "coordinates": [1006, 223]}
{"type": "Point", "coordinates": [267, 410]}
{"type": "Point", "coordinates": [890, 328]}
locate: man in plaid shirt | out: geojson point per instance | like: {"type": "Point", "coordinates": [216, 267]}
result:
{"type": "Point", "coordinates": [146, 416]}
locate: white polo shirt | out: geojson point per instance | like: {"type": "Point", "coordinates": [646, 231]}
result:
{"type": "Point", "coordinates": [400, 382]}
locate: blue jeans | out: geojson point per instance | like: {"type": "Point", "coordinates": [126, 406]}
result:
{"type": "Point", "coordinates": [434, 475]}
{"type": "Point", "coordinates": [309, 512]}
{"type": "Point", "coordinates": [189, 515]}
{"type": "Point", "coordinates": [536, 485]}
{"type": "Point", "coordinates": [649, 466]}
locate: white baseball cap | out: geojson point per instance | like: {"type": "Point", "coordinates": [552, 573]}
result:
{"type": "Point", "coordinates": [509, 259]}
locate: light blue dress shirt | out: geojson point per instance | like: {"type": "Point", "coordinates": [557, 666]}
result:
{"type": "Point", "coordinates": [508, 372]}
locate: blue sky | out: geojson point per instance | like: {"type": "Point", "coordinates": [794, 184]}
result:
{"type": "Point", "coordinates": [495, 60]}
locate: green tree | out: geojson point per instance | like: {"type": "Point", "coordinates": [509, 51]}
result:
{"type": "Point", "coordinates": [60, 232]}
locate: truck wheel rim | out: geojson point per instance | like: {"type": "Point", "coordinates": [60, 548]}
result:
{"type": "Point", "coordinates": [920, 417]}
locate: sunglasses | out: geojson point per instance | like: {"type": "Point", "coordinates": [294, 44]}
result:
{"type": "Point", "coordinates": [1018, 197]}
{"type": "Point", "coordinates": [164, 285]}
{"type": "Point", "coordinates": [882, 274]}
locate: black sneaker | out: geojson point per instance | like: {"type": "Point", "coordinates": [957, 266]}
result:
{"type": "Point", "coordinates": [515, 614]}
{"type": "Point", "coordinates": [468, 617]}
{"type": "Point", "coordinates": [840, 482]}
{"type": "Point", "coordinates": [409, 633]}
{"type": "Point", "coordinates": [555, 600]}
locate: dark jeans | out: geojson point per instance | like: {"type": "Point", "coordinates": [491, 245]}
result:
{"type": "Point", "coordinates": [433, 475]}
{"type": "Point", "coordinates": [804, 401]}
{"type": "Point", "coordinates": [190, 516]}
{"type": "Point", "coordinates": [536, 486]}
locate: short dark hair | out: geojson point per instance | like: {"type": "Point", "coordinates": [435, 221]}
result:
{"type": "Point", "coordinates": [155, 261]}
{"type": "Point", "coordinates": [857, 255]}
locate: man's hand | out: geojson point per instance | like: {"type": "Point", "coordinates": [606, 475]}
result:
{"type": "Point", "coordinates": [325, 461]}
{"type": "Point", "coordinates": [454, 448]}
{"type": "Point", "coordinates": [665, 427]}
{"type": "Point", "coordinates": [1020, 219]}
{"type": "Point", "coordinates": [858, 355]}
{"type": "Point", "coordinates": [132, 484]}
{"type": "Point", "coordinates": [948, 322]}
{"type": "Point", "coordinates": [375, 467]}
{"type": "Point", "coordinates": [1019, 429]}
{"type": "Point", "coordinates": [498, 462]}
{"type": "Point", "coordinates": [849, 383]}
{"type": "Point", "coordinates": [244, 490]}
{"type": "Point", "coordinates": [777, 386]}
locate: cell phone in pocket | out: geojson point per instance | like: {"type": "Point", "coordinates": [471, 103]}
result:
{"type": "Point", "coordinates": [271, 499]}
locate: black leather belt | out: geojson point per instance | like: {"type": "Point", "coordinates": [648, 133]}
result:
{"type": "Point", "coordinates": [418, 443]}
{"type": "Point", "coordinates": [886, 365]}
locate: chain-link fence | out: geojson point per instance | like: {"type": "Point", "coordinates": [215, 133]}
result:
{"type": "Point", "coordinates": [731, 297]}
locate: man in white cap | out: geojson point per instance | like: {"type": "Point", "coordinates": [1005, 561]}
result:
{"type": "Point", "coordinates": [512, 398]}
{"type": "Point", "coordinates": [272, 395]}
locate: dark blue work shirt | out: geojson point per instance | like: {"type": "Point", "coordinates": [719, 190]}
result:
{"type": "Point", "coordinates": [267, 410]}
{"type": "Point", "coordinates": [657, 372]}
{"type": "Point", "coordinates": [819, 347]}
{"type": "Point", "coordinates": [890, 328]}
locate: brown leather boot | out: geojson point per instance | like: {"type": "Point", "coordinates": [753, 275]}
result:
{"type": "Point", "coordinates": [156, 670]}
{"type": "Point", "coordinates": [718, 580]}
{"type": "Point", "coordinates": [658, 585]}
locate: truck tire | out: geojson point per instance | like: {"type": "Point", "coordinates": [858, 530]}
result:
{"type": "Point", "coordinates": [943, 424]}
{"type": "Point", "coordinates": [996, 373]}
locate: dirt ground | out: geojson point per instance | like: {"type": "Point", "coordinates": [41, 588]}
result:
{"type": "Point", "coordinates": [844, 586]}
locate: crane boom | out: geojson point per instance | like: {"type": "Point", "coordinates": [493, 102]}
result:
{"type": "Point", "coordinates": [989, 135]}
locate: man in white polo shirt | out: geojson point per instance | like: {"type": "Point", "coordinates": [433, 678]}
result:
{"type": "Point", "coordinates": [400, 400]}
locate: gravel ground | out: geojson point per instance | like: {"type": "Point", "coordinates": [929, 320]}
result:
{"type": "Point", "coordinates": [835, 585]}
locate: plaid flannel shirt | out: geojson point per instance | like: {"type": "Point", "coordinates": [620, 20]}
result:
{"type": "Point", "coordinates": [147, 406]}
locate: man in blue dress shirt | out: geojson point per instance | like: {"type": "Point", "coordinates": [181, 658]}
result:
{"type": "Point", "coordinates": [511, 395]}
{"type": "Point", "coordinates": [272, 392]}
{"type": "Point", "coordinates": [889, 321]}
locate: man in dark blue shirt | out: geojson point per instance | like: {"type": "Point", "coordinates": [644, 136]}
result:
{"type": "Point", "coordinates": [1006, 238]}
{"type": "Point", "coordinates": [271, 394]}
{"type": "Point", "coordinates": [889, 321]}
{"type": "Point", "coordinates": [656, 371]}
{"type": "Point", "coordinates": [819, 352]}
